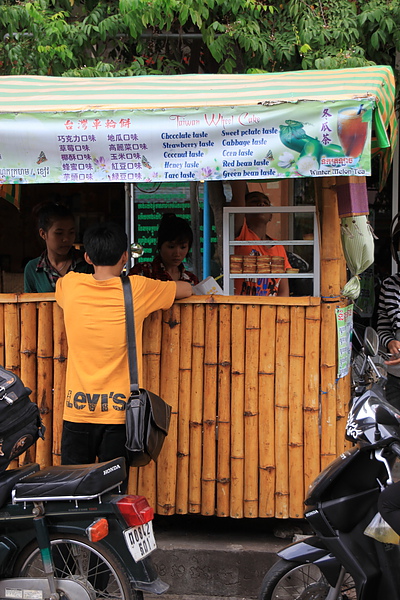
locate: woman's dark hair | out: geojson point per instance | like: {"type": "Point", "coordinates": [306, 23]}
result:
{"type": "Point", "coordinates": [174, 229]}
{"type": "Point", "coordinates": [105, 243]}
{"type": "Point", "coordinates": [47, 213]}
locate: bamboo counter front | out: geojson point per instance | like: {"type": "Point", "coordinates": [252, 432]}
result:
{"type": "Point", "coordinates": [257, 409]}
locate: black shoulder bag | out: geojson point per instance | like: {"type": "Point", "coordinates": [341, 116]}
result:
{"type": "Point", "coordinates": [147, 415]}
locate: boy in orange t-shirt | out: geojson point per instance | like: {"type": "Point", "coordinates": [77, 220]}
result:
{"type": "Point", "coordinates": [97, 382]}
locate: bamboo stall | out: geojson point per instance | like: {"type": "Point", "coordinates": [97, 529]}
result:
{"type": "Point", "coordinates": [257, 409]}
{"type": "Point", "coordinates": [242, 375]}
{"type": "Point", "coordinates": [257, 406]}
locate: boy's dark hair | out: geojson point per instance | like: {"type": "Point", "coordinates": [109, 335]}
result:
{"type": "Point", "coordinates": [47, 213]}
{"type": "Point", "coordinates": [105, 243]}
{"type": "Point", "coordinates": [174, 229]}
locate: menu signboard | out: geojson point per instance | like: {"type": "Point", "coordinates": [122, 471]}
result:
{"type": "Point", "coordinates": [195, 144]}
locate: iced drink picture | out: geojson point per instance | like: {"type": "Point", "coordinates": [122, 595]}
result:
{"type": "Point", "coordinates": [352, 130]}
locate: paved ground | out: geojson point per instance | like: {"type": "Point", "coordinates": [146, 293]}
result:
{"type": "Point", "coordinates": [203, 558]}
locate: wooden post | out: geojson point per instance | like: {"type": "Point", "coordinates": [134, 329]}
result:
{"type": "Point", "coordinates": [266, 390]}
{"type": "Point", "coordinates": [282, 413]}
{"type": "Point", "coordinates": [2, 343]}
{"type": "Point", "coordinates": [224, 405]}
{"type": "Point", "coordinates": [60, 372]}
{"type": "Point", "coordinates": [208, 485]}
{"type": "Point", "coordinates": [343, 395]}
{"type": "Point", "coordinates": [29, 345]}
{"type": "Point", "coordinates": [144, 480]}
{"type": "Point", "coordinates": [28, 361]}
{"type": "Point", "coordinates": [331, 257]}
{"type": "Point", "coordinates": [251, 414]}
{"type": "Point", "coordinates": [296, 403]}
{"type": "Point", "coordinates": [12, 338]}
{"type": "Point", "coordinates": [185, 375]}
{"type": "Point", "coordinates": [45, 380]}
{"type": "Point", "coordinates": [169, 387]}
{"type": "Point", "coordinates": [312, 450]}
{"type": "Point", "coordinates": [237, 410]}
{"type": "Point", "coordinates": [196, 409]}
{"type": "Point", "coordinates": [12, 345]}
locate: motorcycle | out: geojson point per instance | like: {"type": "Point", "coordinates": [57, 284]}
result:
{"type": "Point", "coordinates": [341, 562]}
{"type": "Point", "coordinates": [67, 533]}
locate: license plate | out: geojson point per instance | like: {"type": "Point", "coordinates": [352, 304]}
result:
{"type": "Point", "coordinates": [140, 540]}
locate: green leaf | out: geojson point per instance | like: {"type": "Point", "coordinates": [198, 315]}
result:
{"type": "Point", "coordinates": [375, 40]}
{"type": "Point", "coordinates": [389, 25]}
{"type": "Point", "coordinates": [184, 13]}
{"type": "Point", "coordinates": [304, 48]}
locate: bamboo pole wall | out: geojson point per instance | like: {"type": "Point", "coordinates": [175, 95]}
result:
{"type": "Point", "coordinates": [266, 403]}
{"type": "Point", "coordinates": [245, 377]}
{"type": "Point", "coordinates": [332, 268]}
{"type": "Point", "coordinates": [224, 411]}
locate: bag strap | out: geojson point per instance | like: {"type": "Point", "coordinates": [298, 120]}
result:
{"type": "Point", "coordinates": [130, 335]}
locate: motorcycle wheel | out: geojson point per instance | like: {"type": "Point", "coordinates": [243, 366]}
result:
{"type": "Point", "coordinates": [290, 581]}
{"type": "Point", "coordinates": [78, 558]}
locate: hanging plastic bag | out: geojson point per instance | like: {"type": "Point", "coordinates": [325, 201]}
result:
{"type": "Point", "coordinates": [358, 249]}
{"type": "Point", "coordinates": [381, 531]}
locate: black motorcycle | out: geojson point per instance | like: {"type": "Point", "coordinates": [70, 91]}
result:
{"type": "Point", "coordinates": [341, 562]}
{"type": "Point", "coordinates": [66, 533]}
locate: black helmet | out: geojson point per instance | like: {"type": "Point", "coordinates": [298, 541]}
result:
{"type": "Point", "coordinates": [395, 237]}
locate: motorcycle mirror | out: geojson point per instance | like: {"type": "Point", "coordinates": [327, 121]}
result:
{"type": "Point", "coordinates": [384, 417]}
{"type": "Point", "coordinates": [371, 342]}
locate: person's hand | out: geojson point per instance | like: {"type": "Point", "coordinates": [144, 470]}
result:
{"type": "Point", "coordinates": [183, 290]}
{"type": "Point", "coordinates": [394, 349]}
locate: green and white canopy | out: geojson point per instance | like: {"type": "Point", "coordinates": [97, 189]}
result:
{"type": "Point", "coordinates": [196, 127]}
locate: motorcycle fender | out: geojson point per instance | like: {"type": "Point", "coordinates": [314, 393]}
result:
{"type": "Point", "coordinates": [8, 549]}
{"type": "Point", "coordinates": [142, 574]}
{"type": "Point", "coordinates": [305, 551]}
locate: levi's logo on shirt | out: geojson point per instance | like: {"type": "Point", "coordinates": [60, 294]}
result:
{"type": "Point", "coordinates": [102, 402]}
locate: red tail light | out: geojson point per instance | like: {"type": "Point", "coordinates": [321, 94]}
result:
{"type": "Point", "coordinates": [135, 510]}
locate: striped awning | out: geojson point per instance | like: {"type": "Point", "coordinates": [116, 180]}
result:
{"type": "Point", "coordinates": [34, 94]}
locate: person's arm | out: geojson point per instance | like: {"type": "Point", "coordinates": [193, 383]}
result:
{"type": "Point", "coordinates": [387, 314]}
{"type": "Point", "coordinates": [183, 290]}
{"type": "Point", "coordinates": [283, 289]}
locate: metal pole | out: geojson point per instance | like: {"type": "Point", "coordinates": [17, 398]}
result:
{"type": "Point", "coordinates": [128, 223]}
{"type": "Point", "coordinates": [206, 232]}
{"type": "Point", "coordinates": [195, 223]}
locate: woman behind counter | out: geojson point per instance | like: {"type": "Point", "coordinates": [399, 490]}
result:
{"type": "Point", "coordinates": [56, 227]}
{"type": "Point", "coordinates": [174, 241]}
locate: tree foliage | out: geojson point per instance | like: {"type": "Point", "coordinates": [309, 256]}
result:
{"type": "Point", "coordinates": [135, 37]}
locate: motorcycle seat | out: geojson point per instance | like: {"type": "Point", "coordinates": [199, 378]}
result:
{"type": "Point", "coordinates": [10, 478]}
{"type": "Point", "coordinates": [71, 482]}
